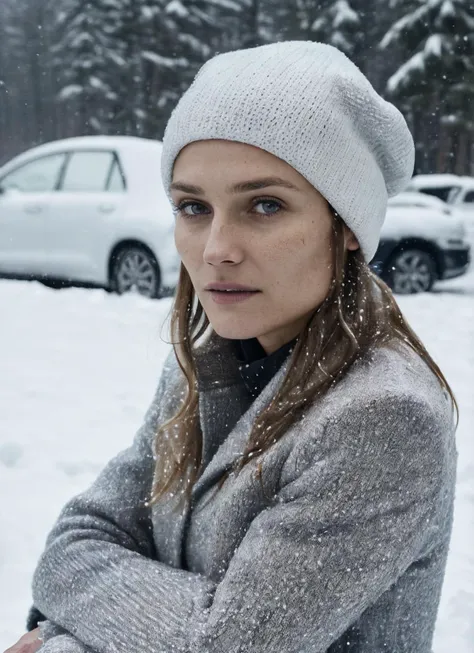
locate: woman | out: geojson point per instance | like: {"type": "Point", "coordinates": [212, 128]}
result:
{"type": "Point", "coordinates": [300, 456]}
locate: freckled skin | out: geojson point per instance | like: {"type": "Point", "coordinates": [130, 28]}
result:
{"type": "Point", "coordinates": [226, 236]}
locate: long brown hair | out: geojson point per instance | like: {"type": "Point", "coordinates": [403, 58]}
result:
{"type": "Point", "coordinates": [358, 313]}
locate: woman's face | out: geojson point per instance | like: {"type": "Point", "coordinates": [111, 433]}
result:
{"type": "Point", "coordinates": [246, 218]}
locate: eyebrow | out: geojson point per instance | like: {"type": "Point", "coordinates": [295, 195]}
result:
{"type": "Point", "coordinates": [242, 187]}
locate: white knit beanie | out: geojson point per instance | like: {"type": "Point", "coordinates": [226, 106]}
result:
{"type": "Point", "coordinates": [310, 106]}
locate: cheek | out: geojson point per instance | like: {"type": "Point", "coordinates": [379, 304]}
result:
{"type": "Point", "coordinates": [302, 257]}
{"type": "Point", "coordinates": [321, 259]}
{"type": "Point", "coordinates": [178, 241]}
{"type": "Point", "coordinates": [303, 273]}
{"type": "Point", "coordinates": [186, 246]}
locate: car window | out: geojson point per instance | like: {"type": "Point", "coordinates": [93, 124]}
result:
{"type": "Point", "coordinates": [88, 172]}
{"type": "Point", "coordinates": [469, 199]}
{"type": "Point", "coordinates": [440, 191]}
{"type": "Point", "coordinates": [116, 181]}
{"type": "Point", "coordinates": [38, 176]}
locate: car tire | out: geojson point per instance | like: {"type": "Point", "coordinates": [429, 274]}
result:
{"type": "Point", "coordinates": [411, 271]}
{"type": "Point", "coordinates": [135, 269]}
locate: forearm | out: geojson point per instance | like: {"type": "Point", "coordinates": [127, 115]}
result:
{"type": "Point", "coordinates": [57, 640]}
{"type": "Point", "coordinates": [110, 598]}
{"type": "Point", "coordinates": [64, 644]}
{"type": "Point", "coordinates": [283, 584]}
{"type": "Point", "coordinates": [99, 577]}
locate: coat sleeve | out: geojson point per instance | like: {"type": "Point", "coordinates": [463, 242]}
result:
{"type": "Point", "coordinates": [337, 537]}
{"type": "Point", "coordinates": [64, 643]}
{"type": "Point", "coordinates": [100, 553]}
{"type": "Point", "coordinates": [113, 511]}
{"type": "Point", "coordinates": [57, 640]}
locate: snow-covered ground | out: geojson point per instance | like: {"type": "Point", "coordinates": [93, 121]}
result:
{"type": "Point", "coordinates": [78, 368]}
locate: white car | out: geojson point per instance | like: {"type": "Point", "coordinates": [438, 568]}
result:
{"type": "Point", "coordinates": [439, 185]}
{"type": "Point", "coordinates": [89, 210]}
{"type": "Point", "coordinates": [457, 191]}
{"type": "Point", "coordinates": [419, 246]}
{"type": "Point", "coordinates": [420, 200]}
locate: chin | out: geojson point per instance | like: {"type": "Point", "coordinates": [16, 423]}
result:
{"type": "Point", "coordinates": [231, 330]}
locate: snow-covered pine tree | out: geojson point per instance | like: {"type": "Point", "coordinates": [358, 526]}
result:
{"type": "Point", "coordinates": [171, 51]}
{"type": "Point", "coordinates": [26, 88]}
{"type": "Point", "coordinates": [375, 18]}
{"type": "Point", "coordinates": [334, 21]}
{"type": "Point", "coordinates": [128, 22]}
{"type": "Point", "coordinates": [83, 53]}
{"type": "Point", "coordinates": [458, 125]}
{"type": "Point", "coordinates": [276, 20]}
{"type": "Point", "coordinates": [179, 36]}
{"type": "Point", "coordinates": [246, 29]}
{"type": "Point", "coordinates": [435, 82]}
{"type": "Point", "coordinates": [10, 58]}
{"type": "Point", "coordinates": [330, 21]}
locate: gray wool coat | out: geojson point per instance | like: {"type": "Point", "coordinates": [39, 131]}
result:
{"type": "Point", "coordinates": [343, 550]}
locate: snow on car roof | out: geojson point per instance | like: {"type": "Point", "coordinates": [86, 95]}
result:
{"type": "Point", "coordinates": [415, 198]}
{"type": "Point", "coordinates": [140, 158]}
{"type": "Point", "coordinates": [97, 142]}
{"type": "Point", "coordinates": [437, 180]}
{"type": "Point", "coordinates": [131, 145]}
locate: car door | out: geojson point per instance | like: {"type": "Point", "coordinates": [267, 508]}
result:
{"type": "Point", "coordinates": [26, 194]}
{"type": "Point", "coordinates": [84, 214]}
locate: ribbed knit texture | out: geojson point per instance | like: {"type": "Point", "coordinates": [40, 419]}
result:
{"type": "Point", "coordinates": [341, 547]}
{"type": "Point", "coordinates": [309, 105]}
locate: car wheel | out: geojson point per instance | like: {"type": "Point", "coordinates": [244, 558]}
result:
{"type": "Point", "coordinates": [411, 271]}
{"type": "Point", "coordinates": [134, 269]}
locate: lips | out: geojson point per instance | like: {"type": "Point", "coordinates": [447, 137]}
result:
{"type": "Point", "coordinates": [233, 290]}
{"type": "Point", "coordinates": [232, 296]}
{"type": "Point", "coordinates": [227, 287]}
{"type": "Point", "coordinates": [230, 293]}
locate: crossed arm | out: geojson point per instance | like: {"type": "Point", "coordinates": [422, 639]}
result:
{"type": "Point", "coordinates": [302, 575]}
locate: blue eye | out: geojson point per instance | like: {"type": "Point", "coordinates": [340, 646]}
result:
{"type": "Point", "coordinates": [190, 209]}
{"type": "Point", "coordinates": [269, 207]}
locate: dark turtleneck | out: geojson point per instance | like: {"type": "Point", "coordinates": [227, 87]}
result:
{"type": "Point", "coordinates": [257, 367]}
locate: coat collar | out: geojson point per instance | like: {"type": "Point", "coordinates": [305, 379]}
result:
{"type": "Point", "coordinates": [218, 375]}
{"type": "Point", "coordinates": [221, 362]}
{"type": "Point", "coordinates": [257, 368]}
{"type": "Point", "coordinates": [219, 383]}
{"type": "Point", "coordinates": [216, 363]}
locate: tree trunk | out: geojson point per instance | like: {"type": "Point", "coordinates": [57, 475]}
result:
{"type": "Point", "coordinates": [460, 164]}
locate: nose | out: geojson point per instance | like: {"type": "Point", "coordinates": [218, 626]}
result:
{"type": "Point", "coordinates": [222, 244]}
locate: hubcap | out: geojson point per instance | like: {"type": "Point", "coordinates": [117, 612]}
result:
{"type": "Point", "coordinates": [135, 272]}
{"type": "Point", "coordinates": [412, 273]}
